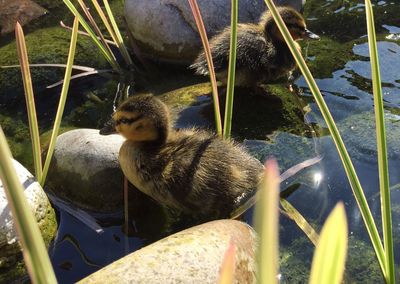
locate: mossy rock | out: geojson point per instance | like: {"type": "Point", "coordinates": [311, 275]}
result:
{"type": "Point", "coordinates": [49, 45]}
{"type": "Point", "coordinates": [327, 55]}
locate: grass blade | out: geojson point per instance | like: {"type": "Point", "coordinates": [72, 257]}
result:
{"type": "Point", "coordinates": [207, 51]}
{"type": "Point", "coordinates": [30, 100]}
{"type": "Point", "coordinates": [104, 19]}
{"type": "Point", "coordinates": [33, 248]}
{"type": "Point", "coordinates": [231, 71]}
{"type": "Point", "coordinates": [86, 26]}
{"type": "Point", "coordinates": [330, 254]}
{"type": "Point", "coordinates": [227, 271]}
{"type": "Point", "coordinates": [76, 67]}
{"type": "Point", "coordinates": [384, 183]}
{"type": "Point", "coordinates": [96, 28]}
{"type": "Point", "coordinates": [344, 156]}
{"type": "Point", "coordinates": [85, 33]}
{"type": "Point", "coordinates": [300, 221]}
{"type": "Point", "coordinates": [63, 98]}
{"type": "Point", "coordinates": [119, 41]}
{"type": "Point", "coordinates": [267, 221]}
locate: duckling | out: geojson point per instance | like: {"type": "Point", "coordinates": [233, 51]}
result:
{"type": "Point", "coordinates": [190, 169]}
{"type": "Point", "coordinates": [262, 54]}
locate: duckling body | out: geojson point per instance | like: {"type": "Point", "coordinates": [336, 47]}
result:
{"type": "Point", "coordinates": [190, 169]}
{"type": "Point", "coordinates": [262, 54]}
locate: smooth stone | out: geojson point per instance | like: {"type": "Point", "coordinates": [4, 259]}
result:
{"type": "Point", "coordinates": [194, 255]}
{"type": "Point", "coordinates": [85, 170]}
{"type": "Point", "coordinates": [166, 31]}
{"type": "Point", "coordinates": [10, 251]}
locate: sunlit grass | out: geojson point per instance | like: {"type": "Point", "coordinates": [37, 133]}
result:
{"type": "Point", "coordinates": [231, 71]}
{"type": "Point", "coordinates": [330, 254]}
{"type": "Point", "coordinates": [384, 183]}
{"type": "Point", "coordinates": [267, 223]}
{"type": "Point", "coordinates": [61, 103]}
{"type": "Point", "coordinates": [33, 248]}
{"type": "Point", "coordinates": [344, 156]}
{"type": "Point", "coordinates": [30, 100]}
{"type": "Point", "coordinates": [210, 64]}
{"type": "Point", "coordinates": [106, 52]}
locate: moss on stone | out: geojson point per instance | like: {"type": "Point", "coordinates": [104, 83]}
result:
{"type": "Point", "coordinates": [326, 56]}
{"type": "Point", "coordinates": [49, 45]}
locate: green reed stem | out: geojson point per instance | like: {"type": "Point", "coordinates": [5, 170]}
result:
{"type": "Point", "coordinates": [103, 49]}
{"type": "Point", "coordinates": [63, 98]}
{"type": "Point", "coordinates": [344, 156]}
{"type": "Point", "coordinates": [105, 20]}
{"type": "Point", "coordinates": [96, 28]}
{"type": "Point", "coordinates": [120, 40]}
{"type": "Point", "coordinates": [384, 183]}
{"type": "Point", "coordinates": [30, 100]}
{"type": "Point", "coordinates": [267, 222]}
{"type": "Point", "coordinates": [33, 248]}
{"type": "Point", "coordinates": [203, 35]}
{"type": "Point", "coordinates": [231, 71]}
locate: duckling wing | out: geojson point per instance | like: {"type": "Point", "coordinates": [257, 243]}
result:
{"type": "Point", "coordinates": [208, 174]}
{"type": "Point", "coordinates": [253, 51]}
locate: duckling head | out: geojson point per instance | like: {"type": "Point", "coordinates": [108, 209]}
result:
{"type": "Point", "coordinates": [294, 22]}
{"type": "Point", "coordinates": [143, 118]}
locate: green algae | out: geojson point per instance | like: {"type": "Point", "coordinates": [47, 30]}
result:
{"type": "Point", "coordinates": [327, 55]}
{"type": "Point", "coordinates": [49, 45]}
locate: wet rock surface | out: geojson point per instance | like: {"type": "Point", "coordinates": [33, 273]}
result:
{"type": "Point", "coordinates": [10, 253]}
{"type": "Point", "coordinates": [166, 30]}
{"type": "Point", "coordinates": [85, 170]}
{"type": "Point", "coordinates": [191, 256]}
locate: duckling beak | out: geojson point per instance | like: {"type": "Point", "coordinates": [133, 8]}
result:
{"type": "Point", "coordinates": [109, 128]}
{"type": "Point", "coordinates": [309, 34]}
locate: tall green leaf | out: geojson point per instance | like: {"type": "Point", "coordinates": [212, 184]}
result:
{"type": "Point", "coordinates": [330, 254]}
{"type": "Point", "coordinates": [231, 71]}
{"type": "Point", "coordinates": [30, 100]}
{"type": "Point", "coordinates": [267, 222]}
{"type": "Point", "coordinates": [33, 248]}
{"type": "Point", "coordinates": [384, 183]}
{"type": "Point", "coordinates": [343, 154]}
{"type": "Point", "coordinates": [63, 98]}
{"type": "Point", "coordinates": [203, 35]}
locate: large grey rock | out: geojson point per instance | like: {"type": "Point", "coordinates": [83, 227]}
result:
{"type": "Point", "coordinates": [85, 170]}
{"type": "Point", "coordinates": [192, 256]}
{"type": "Point", "coordinates": [39, 204]}
{"type": "Point", "coordinates": [165, 30]}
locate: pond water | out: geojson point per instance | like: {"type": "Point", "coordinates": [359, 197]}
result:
{"type": "Point", "coordinates": [340, 63]}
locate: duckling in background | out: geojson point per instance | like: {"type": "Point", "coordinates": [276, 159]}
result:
{"type": "Point", "coordinates": [188, 169]}
{"type": "Point", "coordinates": [262, 54]}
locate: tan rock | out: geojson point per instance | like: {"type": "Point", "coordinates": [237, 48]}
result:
{"type": "Point", "coordinates": [191, 256]}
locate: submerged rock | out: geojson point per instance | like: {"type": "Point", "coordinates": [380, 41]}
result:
{"type": "Point", "coordinates": [192, 256]}
{"type": "Point", "coordinates": [359, 135]}
{"type": "Point", "coordinates": [166, 30]}
{"type": "Point", "coordinates": [11, 262]}
{"type": "Point", "coordinates": [85, 170]}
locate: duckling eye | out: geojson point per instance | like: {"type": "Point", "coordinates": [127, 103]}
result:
{"type": "Point", "coordinates": [127, 120]}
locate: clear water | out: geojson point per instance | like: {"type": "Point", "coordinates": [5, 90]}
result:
{"type": "Point", "coordinates": [341, 65]}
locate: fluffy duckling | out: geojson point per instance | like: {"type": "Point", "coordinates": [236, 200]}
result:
{"type": "Point", "coordinates": [188, 169]}
{"type": "Point", "coordinates": [262, 54]}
